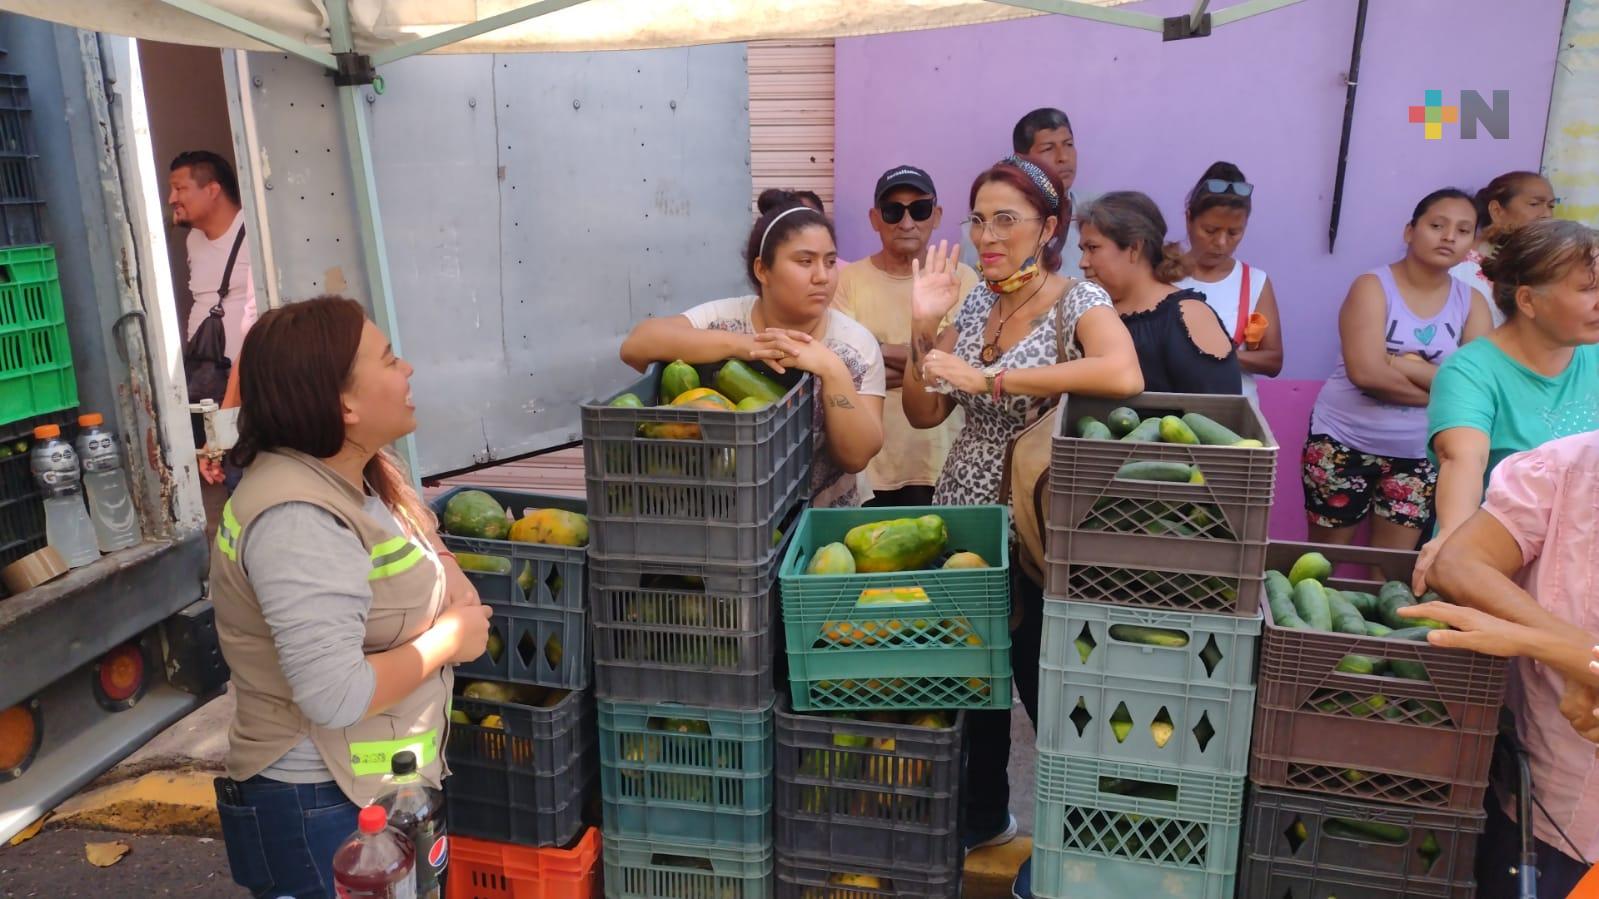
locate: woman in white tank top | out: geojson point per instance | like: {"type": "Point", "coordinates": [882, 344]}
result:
{"type": "Point", "coordinates": [1218, 212]}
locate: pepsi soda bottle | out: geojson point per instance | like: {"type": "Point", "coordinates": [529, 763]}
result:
{"type": "Point", "coordinates": [417, 810]}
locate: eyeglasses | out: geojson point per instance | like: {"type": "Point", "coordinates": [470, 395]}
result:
{"type": "Point", "coordinates": [920, 210]}
{"type": "Point", "coordinates": [1000, 225]}
{"type": "Point", "coordinates": [1222, 186]}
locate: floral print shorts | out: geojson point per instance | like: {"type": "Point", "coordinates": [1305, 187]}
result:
{"type": "Point", "coordinates": [1343, 485]}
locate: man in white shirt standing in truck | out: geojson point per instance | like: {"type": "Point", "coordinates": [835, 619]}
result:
{"type": "Point", "coordinates": [205, 198]}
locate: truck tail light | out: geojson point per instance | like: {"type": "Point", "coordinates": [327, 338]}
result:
{"type": "Point", "coordinates": [20, 733]}
{"type": "Point", "coordinates": [120, 677]}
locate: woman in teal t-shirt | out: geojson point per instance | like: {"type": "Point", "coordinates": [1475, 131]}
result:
{"type": "Point", "coordinates": [1531, 380]}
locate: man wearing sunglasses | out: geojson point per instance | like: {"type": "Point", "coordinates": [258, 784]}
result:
{"type": "Point", "coordinates": [876, 292]}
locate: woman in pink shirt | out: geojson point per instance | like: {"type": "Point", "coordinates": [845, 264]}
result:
{"type": "Point", "coordinates": [1523, 571]}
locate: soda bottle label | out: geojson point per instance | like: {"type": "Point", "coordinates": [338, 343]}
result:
{"type": "Point", "coordinates": [431, 835]}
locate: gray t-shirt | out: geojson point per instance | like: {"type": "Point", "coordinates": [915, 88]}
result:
{"type": "Point", "coordinates": [309, 573]}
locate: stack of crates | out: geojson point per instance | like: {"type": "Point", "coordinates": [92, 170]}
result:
{"type": "Point", "coordinates": [869, 742]}
{"type": "Point", "coordinates": [691, 511]}
{"type": "Point", "coordinates": [1147, 663]}
{"type": "Point", "coordinates": [21, 202]}
{"type": "Point", "coordinates": [1367, 783]}
{"type": "Point", "coordinates": [522, 723]}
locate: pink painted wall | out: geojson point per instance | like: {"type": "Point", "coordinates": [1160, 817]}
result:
{"type": "Point", "coordinates": [1266, 93]}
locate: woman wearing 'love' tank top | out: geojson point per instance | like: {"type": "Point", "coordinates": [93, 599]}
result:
{"type": "Point", "coordinates": [1367, 450]}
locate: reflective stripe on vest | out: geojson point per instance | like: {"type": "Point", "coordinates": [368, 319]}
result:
{"type": "Point", "coordinates": [228, 532]}
{"type": "Point", "coordinates": [373, 756]}
{"type": "Point", "coordinates": [396, 555]}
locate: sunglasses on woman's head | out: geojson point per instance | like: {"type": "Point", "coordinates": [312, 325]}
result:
{"type": "Point", "coordinates": [1220, 186]}
{"type": "Point", "coordinates": [920, 210]}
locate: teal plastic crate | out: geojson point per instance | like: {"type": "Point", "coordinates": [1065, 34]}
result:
{"type": "Point", "coordinates": [1115, 830]}
{"type": "Point", "coordinates": [687, 774]}
{"type": "Point", "coordinates": [949, 648]}
{"type": "Point", "coordinates": [36, 371]}
{"type": "Point", "coordinates": [654, 869]}
{"type": "Point", "coordinates": [1095, 638]}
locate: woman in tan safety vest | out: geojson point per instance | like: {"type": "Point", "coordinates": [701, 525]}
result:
{"type": "Point", "coordinates": [337, 609]}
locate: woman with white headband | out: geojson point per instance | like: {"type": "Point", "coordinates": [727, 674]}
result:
{"type": "Point", "coordinates": [790, 322]}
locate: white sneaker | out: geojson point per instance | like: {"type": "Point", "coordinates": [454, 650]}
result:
{"type": "Point", "coordinates": [998, 839]}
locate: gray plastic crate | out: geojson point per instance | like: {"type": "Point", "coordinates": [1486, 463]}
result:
{"type": "Point", "coordinates": [539, 646]}
{"type": "Point", "coordinates": [802, 879]}
{"type": "Point", "coordinates": [536, 574]}
{"type": "Point", "coordinates": [525, 781]}
{"type": "Point", "coordinates": [679, 632]}
{"type": "Point", "coordinates": [884, 796]}
{"type": "Point", "coordinates": [716, 499]}
{"type": "Point", "coordinates": [656, 869]}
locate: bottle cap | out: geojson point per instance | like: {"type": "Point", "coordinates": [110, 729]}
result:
{"type": "Point", "coordinates": [91, 420]}
{"type": "Point", "coordinates": [403, 763]}
{"type": "Point", "coordinates": [372, 819]}
{"type": "Point", "coordinates": [45, 432]}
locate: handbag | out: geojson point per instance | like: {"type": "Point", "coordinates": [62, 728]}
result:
{"type": "Point", "coordinates": [205, 355]}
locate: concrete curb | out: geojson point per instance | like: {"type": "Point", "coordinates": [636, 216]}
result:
{"type": "Point", "coordinates": [990, 871]}
{"type": "Point", "coordinates": [160, 802]}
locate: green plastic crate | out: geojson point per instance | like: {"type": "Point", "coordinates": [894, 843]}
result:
{"type": "Point", "coordinates": [1110, 830]}
{"type": "Point", "coordinates": [687, 774]}
{"type": "Point", "coordinates": [36, 373]}
{"type": "Point", "coordinates": [654, 869]}
{"type": "Point", "coordinates": [950, 651]}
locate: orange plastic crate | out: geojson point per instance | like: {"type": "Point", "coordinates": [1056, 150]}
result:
{"type": "Point", "coordinates": [480, 869]}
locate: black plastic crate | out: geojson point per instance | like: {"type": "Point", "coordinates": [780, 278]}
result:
{"type": "Point", "coordinates": [716, 498]}
{"type": "Point", "coordinates": [21, 505]}
{"type": "Point", "coordinates": [526, 778]}
{"type": "Point", "coordinates": [679, 632]}
{"type": "Point", "coordinates": [22, 224]}
{"type": "Point", "coordinates": [537, 646]}
{"type": "Point", "coordinates": [531, 574]}
{"type": "Point", "coordinates": [842, 880]}
{"type": "Point", "coordinates": [883, 795]}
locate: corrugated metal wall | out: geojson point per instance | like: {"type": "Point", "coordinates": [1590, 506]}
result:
{"type": "Point", "coordinates": [791, 116]}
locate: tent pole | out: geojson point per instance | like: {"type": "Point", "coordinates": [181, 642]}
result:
{"type": "Point", "coordinates": [1109, 15]}
{"type": "Point", "coordinates": [369, 221]}
{"type": "Point", "coordinates": [251, 29]}
{"type": "Point", "coordinates": [465, 32]}
{"type": "Point", "coordinates": [1349, 121]}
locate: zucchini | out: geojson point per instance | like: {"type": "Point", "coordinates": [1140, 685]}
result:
{"type": "Point", "coordinates": [1148, 431]}
{"type": "Point", "coordinates": [1346, 619]}
{"type": "Point", "coordinates": [1366, 831]}
{"type": "Point", "coordinates": [737, 381]}
{"type": "Point", "coordinates": [1417, 634]}
{"type": "Point", "coordinates": [1091, 428]}
{"type": "Point", "coordinates": [1174, 430]}
{"type": "Point", "coordinates": [1364, 603]}
{"type": "Point", "coordinates": [1310, 600]}
{"type": "Point", "coordinates": [1174, 472]}
{"type": "Point", "coordinates": [1149, 636]}
{"type": "Point", "coordinates": [1374, 629]}
{"type": "Point", "coordinates": [1356, 664]}
{"type": "Point", "coordinates": [1280, 597]}
{"type": "Point", "coordinates": [1209, 431]}
{"type": "Point", "coordinates": [1122, 421]}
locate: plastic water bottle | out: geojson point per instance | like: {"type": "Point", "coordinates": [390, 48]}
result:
{"type": "Point", "coordinates": [417, 810]}
{"type": "Point", "coordinates": [110, 508]}
{"type": "Point", "coordinates": [66, 521]}
{"type": "Point", "coordinates": [376, 862]}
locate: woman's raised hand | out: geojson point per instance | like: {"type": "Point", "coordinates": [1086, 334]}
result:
{"type": "Point", "coordinates": [935, 284]}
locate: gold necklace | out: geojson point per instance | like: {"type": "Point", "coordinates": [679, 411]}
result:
{"type": "Point", "coordinates": [990, 353]}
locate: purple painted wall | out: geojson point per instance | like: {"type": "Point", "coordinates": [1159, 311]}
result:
{"type": "Point", "coordinates": [1266, 93]}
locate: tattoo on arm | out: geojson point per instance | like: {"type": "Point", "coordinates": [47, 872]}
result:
{"type": "Point", "coordinates": [841, 401]}
{"type": "Point", "coordinates": [921, 345]}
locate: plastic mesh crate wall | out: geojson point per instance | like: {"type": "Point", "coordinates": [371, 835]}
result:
{"type": "Point", "coordinates": [536, 574]}
{"type": "Point", "coordinates": [656, 869]}
{"type": "Point", "coordinates": [22, 529]}
{"type": "Point", "coordinates": [1119, 830]}
{"type": "Point", "coordinates": [481, 869]}
{"type": "Point", "coordinates": [808, 879]}
{"type": "Point", "coordinates": [1291, 850]}
{"type": "Point", "coordinates": [881, 795]}
{"type": "Point", "coordinates": [538, 646]}
{"type": "Point", "coordinates": [22, 220]}
{"type": "Point", "coordinates": [36, 371]}
{"type": "Point", "coordinates": [1418, 743]}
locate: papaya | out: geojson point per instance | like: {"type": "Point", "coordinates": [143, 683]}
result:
{"type": "Point", "coordinates": [965, 560]}
{"type": "Point", "coordinates": [738, 382]}
{"type": "Point", "coordinates": [834, 558]}
{"type": "Point", "coordinates": [473, 513]}
{"type": "Point", "coordinates": [627, 401]}
{"type": "Point", "coordinates": [552, 527]}
{"type": "Point", "coordinates": [698, 393]}
{"type": "Point", "coordinates": [901, 544]}
{"type": "Point", "coordinates": [676, 379]}
{"type": "Point", "coordinates": [707, 401]}
{"type": "Point", "coordinates": [1122, 421]}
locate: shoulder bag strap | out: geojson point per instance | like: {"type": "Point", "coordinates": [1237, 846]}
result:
{"type": "Point", "coordinates": [1243, 307]}
{"type": "Point", "coordinates": [1043, 413]}
{"type": "Point", "coordinates": [227, 272]}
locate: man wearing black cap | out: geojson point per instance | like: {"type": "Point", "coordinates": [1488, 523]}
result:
{"type": "Point", "coordinates": [876, 292]}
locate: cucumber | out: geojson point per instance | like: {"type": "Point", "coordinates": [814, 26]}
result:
{"type": "Point", "coordinates": [1122, 421]}
{"type": "Point", "coordinates": [737, 381]}
{"type": "Point", "coordinates": [1209, 431]}
{"type": "Point", "coordinates": [1366, 831]}
{"type": "Point", "coordinates": [1174, 430]}
{"type": "Point", "coordinates": [1310, 600]}
{"type": "Point", "coordinates": [1346, 619]}
{"type": "Point", "coordinates": [1169, 527]}
{"type": "Point", "coordinates": [1280, 596]}
{"type": "Point", "coordinates": [1395, 596]}
{"type": "Point", "coordinates": [1175, 472]}
{"type": "Point", "coordinates": [1417, 634]}
{"type": "Point", "coordinates": [1371, 705]}
{"type": "Point", "coordinates": [1407, 669]}
{"type": "Point", "coordinates": [486, 564]}
{"type": "Point", "coordinates": [1356, 664]}
{"type": "Point", "coordinates": [1148, 431]}
{"type": "Point", "coordinates": [1149, 636]}
{"type": "Point", "coordinates": [1364, 603]}
{"type": "Point", "coordinates": [1091, 428]}
{"type": "Point", "coordinates": [1374, 629]}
